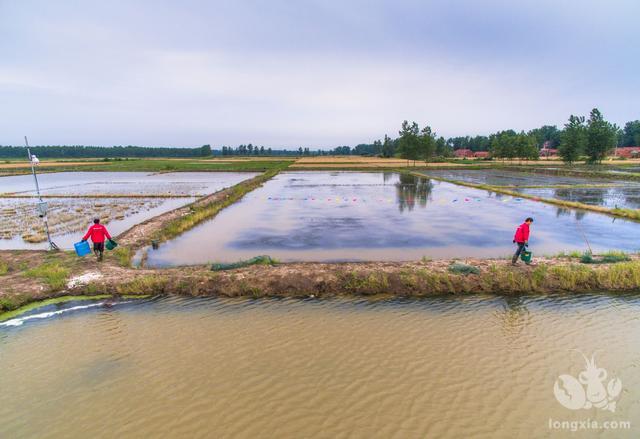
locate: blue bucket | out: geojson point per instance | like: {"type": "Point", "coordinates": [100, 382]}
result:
{"type": "Point", "coordinates": [82, 248]}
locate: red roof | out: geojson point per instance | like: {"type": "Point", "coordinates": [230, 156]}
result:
{"type": "Point", "coordinates": [463, 153]}
{"type": "Point", "coordinates": [628, 151]}
{"type": "Point", "coordinates": [481, 154]}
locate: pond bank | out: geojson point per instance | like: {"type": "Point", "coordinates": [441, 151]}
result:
{"type": "Point", "coordinates": [25, 282]}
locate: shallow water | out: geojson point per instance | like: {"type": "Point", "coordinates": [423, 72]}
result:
{"type": "Point", "coordinates": [623, 197]}
{"type": "Point", "coordinates": [494, 177]}
{"type": "Point", "coordinates": [325, 216]}
{"type": "Point", "coordinates": [123, 183]}
{"type": "Point", "coordinates": [477, 366]}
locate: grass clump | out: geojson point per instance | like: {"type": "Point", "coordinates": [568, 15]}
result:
{"type": "Point", "coordinates": [458, 268]}
{"type": "Point", "coordinates": [4, 268]}
{"type": "Point", "coordinates": [123, 255]}
{"type": "Point", "coordinates": [611, 257]}
{"type": "Point", "coordinates": [52, 273]}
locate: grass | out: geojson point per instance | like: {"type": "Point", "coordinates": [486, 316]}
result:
{"type": "Point", "coordinates": [171, 165]}
{"type": "Point", "coordinates": [123, 255]}
{"type": "Point", "coordinates": [53, 274]}
{"type": "Point", "coordinates": [610, 257]}
{"type": "Point", "coordinates": [4, 268]}
{"type": "Point", "coordinates": [458, 268]}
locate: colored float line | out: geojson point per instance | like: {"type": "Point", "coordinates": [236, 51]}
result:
{"type": "Point", "coordinates": [387, 200]}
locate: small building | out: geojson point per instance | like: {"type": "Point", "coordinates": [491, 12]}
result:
{"type": "Point", "coordinates": [548, 152]}
{"type": "Point", "coordinates": [628, 152]}
{"type": "Point", "coordinates": [481, 154]}
{"type": "Point", "coordinates": [463, 153]}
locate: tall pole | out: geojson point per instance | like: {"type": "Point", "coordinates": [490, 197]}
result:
{"type": "Point", "coordinates": [52, 245]}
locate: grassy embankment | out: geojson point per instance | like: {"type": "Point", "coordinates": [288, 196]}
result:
{"type": "Point", "coordinates": [156, 165]}
{"type": "Point", "coordinates": [633, 214]}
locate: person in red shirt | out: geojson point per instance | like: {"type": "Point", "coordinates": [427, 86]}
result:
{"type": "Point", "coordinates": [98, 233]}
{"type": "Point", "coordinates": [521, 238]}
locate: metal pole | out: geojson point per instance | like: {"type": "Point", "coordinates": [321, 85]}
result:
{"type": "Point", "coordinates": [52, 245]}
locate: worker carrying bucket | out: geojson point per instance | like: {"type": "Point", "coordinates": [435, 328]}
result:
{"type": "Point", "coordinates": [98, 234]}
{"type": "Point", "coordinates": [521, 239]}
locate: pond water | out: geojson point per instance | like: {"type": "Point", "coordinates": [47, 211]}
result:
{"type": "Point", "coordinates": [481, 366]}
{"type": "Point", "coordinates": [624, 196]}
{"type": "Point", "coordinates": [123, 183]}
{"type": "Point", "coordinates": [495, 177]}
{"type": "Point", "coordinates": [337, 216]}
{"type": "Point", "coordinates": [21, 228]}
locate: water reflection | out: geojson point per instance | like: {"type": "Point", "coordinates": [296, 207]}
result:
{"type": "Point", "coordinates": [411, 189]}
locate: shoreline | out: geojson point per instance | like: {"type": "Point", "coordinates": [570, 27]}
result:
{"type": "Point", "coordinates": [416, 279]}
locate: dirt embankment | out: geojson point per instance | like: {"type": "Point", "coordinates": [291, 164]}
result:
{"type": "Point", "coordinates": [379, 279]}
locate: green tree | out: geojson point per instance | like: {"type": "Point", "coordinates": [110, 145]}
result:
{"type": "Point", "coordinates": [427, 144]}
{"type": "Point", "coordinates": [573, 139]}
{"type": "Point", "coordinates": [546, 133]}
{"type": "Point", "coordinates": [409, 142]}
{"type": "Point", "coordinates": [387, 147]}
{"type": "Point", "coordinates": [442, 148]}
{"type": "Point", "coordinates": [601, 137]}
{"type": "Point", "coordinates": [631, 134]}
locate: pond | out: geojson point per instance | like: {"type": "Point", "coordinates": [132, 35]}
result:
{"type": "Point", "coordinates": [478, 366]}
{"type": "Point", "coordinates": [496, 177]}
{"type": "Point", "coordinates": [338, 216]}
{"type": "Point", "coordinates": [623, 197]}
{"type": "Point", "coordinates": [87, 196]}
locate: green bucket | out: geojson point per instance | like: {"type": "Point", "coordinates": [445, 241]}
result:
{"type": "Point", "coordinates": [526, 256]}
{"type": "Point", "coordinates": [111, 244]}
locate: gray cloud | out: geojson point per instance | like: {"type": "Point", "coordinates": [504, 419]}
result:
{"type": "Point", "coordinates": [312, 73]}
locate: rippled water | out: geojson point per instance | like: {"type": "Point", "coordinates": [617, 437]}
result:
{"type": "Point", "coordinates": [477, 366]}
{"type": "Point", "coordinates": [337, 216]}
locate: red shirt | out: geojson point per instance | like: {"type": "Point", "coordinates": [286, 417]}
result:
{"type": "Point", "coordinates": [522, 233]}
{"type": "Point", "coordinates": [97, 233]}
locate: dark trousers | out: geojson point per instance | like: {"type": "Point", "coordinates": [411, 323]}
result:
{"type": "Point", "coordinates": [521, 246]}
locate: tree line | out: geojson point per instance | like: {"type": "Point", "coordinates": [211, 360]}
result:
{"type": "Point", "coordinates": [79, 151]}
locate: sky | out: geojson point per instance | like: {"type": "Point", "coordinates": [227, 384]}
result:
{"type": "Point", "coordinates": [316, 74]}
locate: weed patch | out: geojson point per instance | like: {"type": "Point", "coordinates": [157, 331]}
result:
{"type": "Point", "coordinates": [52, 273]}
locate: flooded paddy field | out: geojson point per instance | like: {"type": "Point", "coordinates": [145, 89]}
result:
{"type": "Point", "coordinates": [123, 183]}
{"type": "Point", "coordinates": [497, 177]}
{"type": "Point", "coordinates": [627, 197]}
{"type": "Point", "coordinates": [480, 366]}
{"type": "Point", "coordinates": [74, 199]}
{"type": "Point", "coordinates": [385, 216]}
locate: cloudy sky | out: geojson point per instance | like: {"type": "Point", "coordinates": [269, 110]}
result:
{"type": "Point", "coordinates": [308, 73]}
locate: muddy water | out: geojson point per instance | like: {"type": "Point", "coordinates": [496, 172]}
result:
{"type": "Point", "coordinates": [324, 216]}
{"type": "Point", "coordinates": [443, 367]}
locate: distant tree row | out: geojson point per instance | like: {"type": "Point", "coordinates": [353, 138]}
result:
{"type": "Point", "coordinates": [103, 152]}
